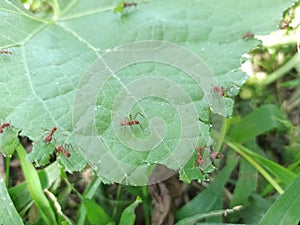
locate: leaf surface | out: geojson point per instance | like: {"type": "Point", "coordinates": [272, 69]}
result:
{"type": "Point", "coordinates": [42, 82]}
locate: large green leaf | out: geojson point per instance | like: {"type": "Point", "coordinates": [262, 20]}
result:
{"type": "Point", "coordinates": [78, 47]}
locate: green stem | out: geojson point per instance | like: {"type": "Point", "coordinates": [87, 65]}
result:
{"type": "Point", "coordinates": [240, 149]}
{"type": "Point", "coordinates": [117, 209]}
{"type": "Point", "coordinates": [7, 170]}
{"type": "Point", "coordinates": [294, 61]}
{"type": "Point", "coordinates": [146, 205]}
{"type": "Point", "coordinates": [221, 135]}
{"type": "Point", "coordinates": [64, 176]}
{"type": "Point", "coordinates": [56, 9]}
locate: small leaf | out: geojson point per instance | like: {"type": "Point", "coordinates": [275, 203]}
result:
{"type": "Point", "coordinates": [41, 152]}
{"type": "Point", "coordinates": [193, 171]}
{"type": "Point", "coordinates": [128, 215]}
{"type": "Point", "coordinates": [96, 213]}
{"type": "Point", "coordinates": [9, 141]}
{"type": "Point", "coordinates": [119, 8]}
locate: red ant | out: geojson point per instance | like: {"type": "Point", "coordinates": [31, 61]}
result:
{"type": "Point", "coordinates": [131, 121]}
{"type": "Point", "coordinates": [248, 35]}
{"type": "Point", "coordinates": [61, 149]}
{"type": "Point", "coordinates": [49, 136]}
{"type": "Point", "coordinates": [129, 4]}
{"type": "Point", "coordinates": [284, 24]}
{"type": "Point", "coordinates": [219, 89]}
{"type": "Point", "coordinates": [199, 156]}
{"type": "Point", "coordinates": [214, 155]}
{"type": "Point", "coordinates": [5, 52]}
{"type": "Point", "coordinates": [3, 126]}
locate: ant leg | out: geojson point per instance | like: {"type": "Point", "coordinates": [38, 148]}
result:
{"type": "Point", "coordinates": [138, 113]}
{"type": "Point", "coordinates": [141, 127]}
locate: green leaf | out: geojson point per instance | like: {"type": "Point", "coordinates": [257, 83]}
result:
{"type": "Point", "coordinates": [285, 175]}
{"type": "Point", "coordinates": [256, 208]}
{"type": "Point", "coordinates": [41, 152]}
{"type": "Point", "coordinates": [89, 192]}
{"type": "Point", "coordinates": [35, 188]}
{"type": "Point", "coordinates": [210, 223]}
{"type": "Point", "coordinates": [119, 8]}
{"type": "Point", "coordinates": [128, 215]}
{"type": "Point", "coordinates": [192, 171]}
{"type": "Point", "coordinates": [209, 196]}
{"type": "Point", "coordinates": [245, 185]}
{"type": "Point", "coordinates": [286, 209]}
{"type": "Point", "coordinates": [53, 59]}
{"type": "Point", "coordinates": [8, 213]}
{"type": "Point", "coordinates": [9, 141]}
{"type": "Point", "coordinates": [96, 213]}
{"type": "Point", "coordinates": [20, 193]}
{"type": "Point", "coordinates": [260, 120]}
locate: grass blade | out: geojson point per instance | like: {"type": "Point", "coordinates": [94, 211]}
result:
{"type": "Point", "coordinates": [257, 122]}
{"type": "Point", "coordinates": [20, 194]}
{"type": "Point", "coordinates": [8, 213]}
{"type": "Point", "coordinates": [245, 184]}
{"type": "Point", "coordinates": [241, 150]}
{"type": "Point", "coordinates": [96, 213]}
{"type": "Point", "coordinates": [285, 175]}
{"type": "Point", "coordinates": [89, 192]}
{"type": "Point", "coordinates": [35, 188]}
{"type": "Point", "coordinates": [286, 209]}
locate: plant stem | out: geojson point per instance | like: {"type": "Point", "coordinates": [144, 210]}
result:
{"type": "Point", "coordinates": [7, 170]}
{"type": "Point", "coordinates": [295, 60]}
{"type": "Point", "coordinates": [117, 209]}
{"type": "Point", "coordinates": [146, 205]}
{"type": "Point", "coordinates": [221, 135]}
{"type": "Point", "coordinates": [56, 8]}
{"type": "Point", "coordinates": [239, 149]}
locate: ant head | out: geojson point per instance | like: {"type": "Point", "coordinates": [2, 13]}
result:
{"type": "Point", "coordinates": [198, 148]}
